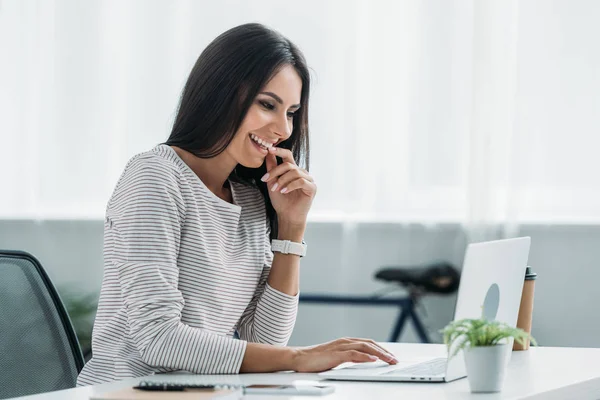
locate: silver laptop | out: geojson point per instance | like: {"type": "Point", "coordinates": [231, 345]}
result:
{"type": "Point", "coordinates": [491, 284]}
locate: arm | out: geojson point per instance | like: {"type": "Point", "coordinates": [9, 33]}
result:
{"type": "Point", "coordinates": [265, 358]}
{"type": "Point", "coordinates": [143, 236]}
{"type": "Point", "coordinates": [285, 272]}
{"type": "Point", "coordinates": [292, 209]}
{"type": "Point", "coordinates": [271, 315]}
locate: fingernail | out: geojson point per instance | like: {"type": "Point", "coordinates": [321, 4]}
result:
{"type": "Point", "coordinates": [265, 177]}
{"type": "Point", "coordinates": [273, 149]}
{"type": "Point", "coordinates": [274, 187]}
{"type": "Point", "coordinates": [283, 190]}
{"type": "Point", "coordinates": [374, 358]}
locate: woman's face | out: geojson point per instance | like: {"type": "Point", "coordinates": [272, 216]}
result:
{"type": "Point", "coordinates": [269, 119]}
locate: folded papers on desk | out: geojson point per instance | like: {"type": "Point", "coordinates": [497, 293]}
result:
{"type": "Point", "coordinates": [191, 394]}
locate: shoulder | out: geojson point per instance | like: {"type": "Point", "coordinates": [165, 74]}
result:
{"type": "Point", "coordinates": [159, 160]}
{"type": "Point", "coordinates": [157, 165]}
{"type": "Point", "coordinates": [154, 172]}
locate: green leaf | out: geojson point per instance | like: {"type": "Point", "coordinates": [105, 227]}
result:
{"type": "Point", "coordinates": [465, 333]}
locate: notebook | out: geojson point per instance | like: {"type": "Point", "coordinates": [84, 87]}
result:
{"type": "Point", "coordinates": [219, 393]}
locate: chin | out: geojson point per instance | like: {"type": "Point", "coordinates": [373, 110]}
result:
{"type": "Point", "coordinates": [253, 163]}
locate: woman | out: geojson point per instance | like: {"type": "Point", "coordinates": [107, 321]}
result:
{"type": "Point", "coordinates": [187, 236]}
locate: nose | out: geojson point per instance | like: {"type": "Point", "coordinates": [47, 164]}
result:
{"type": "Point", "coordinates": [282, 126]}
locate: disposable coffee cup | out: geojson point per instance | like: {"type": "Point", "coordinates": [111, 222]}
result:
{"type": "Point", "coordinates": [526, 308]}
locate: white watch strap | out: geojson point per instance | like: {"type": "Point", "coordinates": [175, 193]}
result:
{"type": "Point", "coordinates": [287, 247]}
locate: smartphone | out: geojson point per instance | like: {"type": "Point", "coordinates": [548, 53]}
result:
{"type": "Point", "coordinates": [294, 390]}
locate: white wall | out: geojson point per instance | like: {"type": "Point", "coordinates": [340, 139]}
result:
{"type": "Point", "coordinates": [564, 256]}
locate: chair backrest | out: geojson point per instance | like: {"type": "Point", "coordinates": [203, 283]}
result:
{"type": "Point", "coordinates": [39, 351]}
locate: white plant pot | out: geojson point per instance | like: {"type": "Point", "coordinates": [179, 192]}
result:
{"type": "Point", "coordinates": [485, 367]}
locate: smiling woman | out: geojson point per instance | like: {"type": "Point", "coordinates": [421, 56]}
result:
{"type": "Point", "coordinates": [253, 90]}
{"type": "Point", "coordinates": [188, 262]}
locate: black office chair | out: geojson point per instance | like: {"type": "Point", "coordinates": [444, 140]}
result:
{"type": "Point", "coordinates": [39, 351]}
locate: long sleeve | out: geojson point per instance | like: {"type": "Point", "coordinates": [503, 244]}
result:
{"type": "Point", "coordinates": [271, 314]}
{"type": "Point", "coordinates": [144, 220]}
{"type": "Point", "coordinates": [183, 270]}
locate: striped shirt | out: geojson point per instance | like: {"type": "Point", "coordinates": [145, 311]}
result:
{"type": "Point", "coordinates": [183, 271]}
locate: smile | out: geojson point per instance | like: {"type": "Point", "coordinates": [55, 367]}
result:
{"type": "Point", "coordinates": [261, 143]}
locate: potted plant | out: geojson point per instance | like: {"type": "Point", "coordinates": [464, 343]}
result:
{"type": "Point", "coordinates": [485, 344]}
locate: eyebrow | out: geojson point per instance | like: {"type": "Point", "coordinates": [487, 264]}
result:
{"type": "Point", "coordinates": [278, 99]}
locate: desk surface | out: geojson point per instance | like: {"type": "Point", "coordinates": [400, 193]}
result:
{"type": "Point", "coordinates": [540, 373]}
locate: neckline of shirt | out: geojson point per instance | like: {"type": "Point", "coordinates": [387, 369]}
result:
{"type": "Point", "coordinates": [220, 201]}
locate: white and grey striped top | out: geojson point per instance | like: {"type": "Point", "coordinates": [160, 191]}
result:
{"type": "Point", "coordinates": [183, 271]}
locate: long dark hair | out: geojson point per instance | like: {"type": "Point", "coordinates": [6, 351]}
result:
{"type": "Point", "coordinates": [222, 86]}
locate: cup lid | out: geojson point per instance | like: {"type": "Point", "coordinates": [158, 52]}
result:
{"type": "Point", "coordinates": [529, 274]}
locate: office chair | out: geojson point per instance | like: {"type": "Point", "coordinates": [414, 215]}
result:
{"type": "Point", "coordinates": [39, 351]}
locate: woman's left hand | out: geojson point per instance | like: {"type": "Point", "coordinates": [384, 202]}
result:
{"type": "Point", "coordinates": [291, 188]}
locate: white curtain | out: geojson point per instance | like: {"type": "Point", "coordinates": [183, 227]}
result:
{"type": "Point", "coordinates": [471, 111]}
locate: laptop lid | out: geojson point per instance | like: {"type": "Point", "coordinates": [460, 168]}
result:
{"type": "Point", "coordinates": [491, 284]}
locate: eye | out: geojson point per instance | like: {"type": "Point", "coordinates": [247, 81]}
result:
{"type": "Point", "coordinates": [291, 114]}
{"type": "Point", "coordinates": [266, 105]}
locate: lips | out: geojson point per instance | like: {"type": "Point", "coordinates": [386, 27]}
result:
{"type": "Point", "coordinates": [263, 151]}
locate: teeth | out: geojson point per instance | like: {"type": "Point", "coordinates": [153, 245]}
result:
{"type": "Point", "coordinates": [261, 142]}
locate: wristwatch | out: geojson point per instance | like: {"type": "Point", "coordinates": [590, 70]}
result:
{"type": "Point", "coordinates": [287, 247]}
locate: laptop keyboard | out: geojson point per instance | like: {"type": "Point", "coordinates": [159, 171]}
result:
{"type": "Point", "coordinates": [434, 367]}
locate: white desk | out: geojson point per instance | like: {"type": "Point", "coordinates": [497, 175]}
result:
{"type": "Point", "coordinates": [540, 373]}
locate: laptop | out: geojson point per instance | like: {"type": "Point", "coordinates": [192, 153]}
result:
{"type": "Point", "coordinates": [491, 285]}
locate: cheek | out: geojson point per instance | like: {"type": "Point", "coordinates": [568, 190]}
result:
{"type": "Point", "coordinates": [255, 119]}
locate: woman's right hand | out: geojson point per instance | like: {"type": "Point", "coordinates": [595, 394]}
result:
{"type": "Point", "coordinates": [329, 355]}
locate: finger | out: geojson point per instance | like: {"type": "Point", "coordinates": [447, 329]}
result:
{"type": "Point", "coordinates": [289, 176]}
{"type": "Point", "coordinates": [368, 348]}
{"type": "Point", "coordinates": [277, 171]}
{"type": "Point", "coordinates": [355, 356]}
{"type": "Point", "coordinates": [338, 342]}
{"type": "Point", "coordinates": [374, 343]}
{"type": "Point", "coordinates": [285, 173]}
{"type": "Point", "coordinates": [271, 162]}
{"type": "Point", "coordinates": [309, 188]}
{"type": "Point", "coordinates": [306, 175]}
{"type": "Point", "coordinates": [285, 154]}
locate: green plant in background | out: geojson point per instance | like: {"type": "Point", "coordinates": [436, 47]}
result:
{"type": "Point", "coordinates": [480, 332]}
{"type": "Point", "coordinates": [81, 309]}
